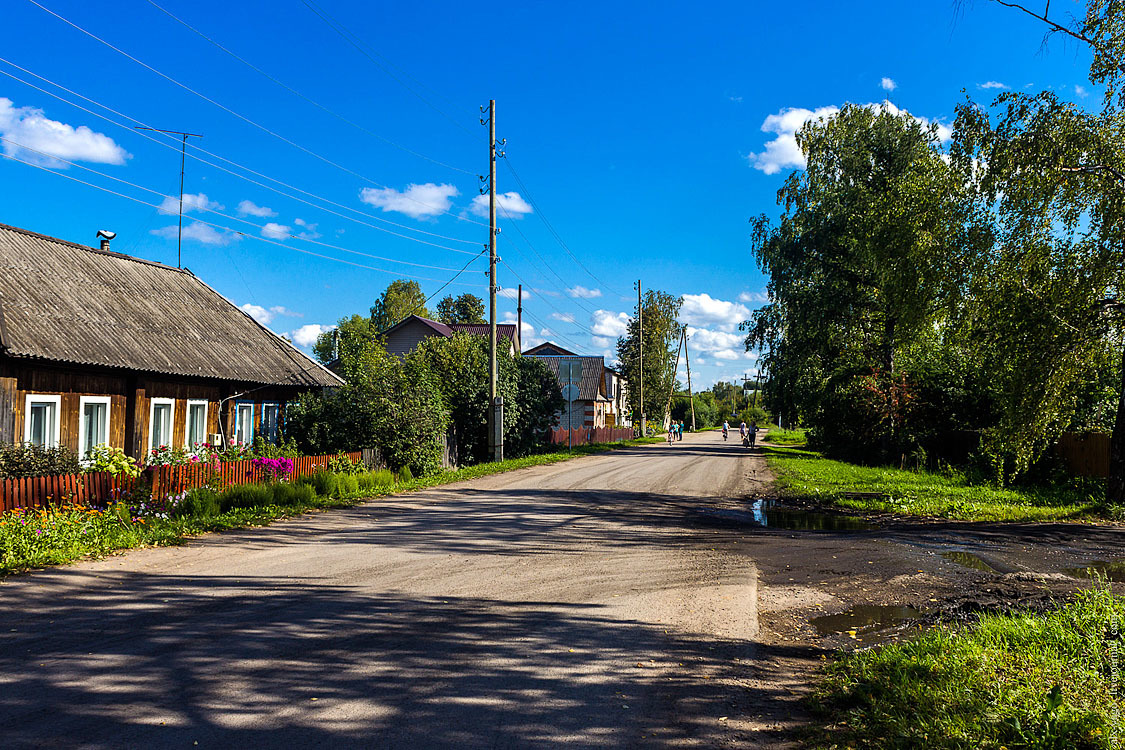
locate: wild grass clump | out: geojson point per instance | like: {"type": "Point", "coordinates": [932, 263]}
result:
{"type": "Point", "coordinates": [323, 482]}
{"type": "Point", "coordinates": [286, 494]}
{"type": "Point", "coordinates": [245, 496]}
{"type": "Point", "coordinates": [200, 502]}
{"type": "Point", "coordinates": [1044, 681]}
{"type": "Point", "coordinates": [786, 437]}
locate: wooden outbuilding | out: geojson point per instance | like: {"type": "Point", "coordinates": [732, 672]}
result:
{"type": "Point", "coordinates": [97, 347]}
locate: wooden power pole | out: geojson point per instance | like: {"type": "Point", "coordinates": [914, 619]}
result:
{"type": "Point", "coordinates": [641, 358]}
{"type": "Point", "coordinates": [495, 402]}
{"type": "Point", "coordinates": [691, 395]}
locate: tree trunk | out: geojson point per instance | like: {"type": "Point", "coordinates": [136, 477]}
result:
{"type": "Point", "coordinates": [1115, 484]}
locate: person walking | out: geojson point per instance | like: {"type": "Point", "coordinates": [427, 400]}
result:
{"type": "Point", "coordinates": [671, 433]}
{"type": "Point", "coordinates": [680, 431]}
{"type": "Point", "coordinates": [742, 434]}
{"type": "Point", "coordinates": [753, 434]}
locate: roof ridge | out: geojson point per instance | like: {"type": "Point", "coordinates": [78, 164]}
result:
{"type": "Point", "coordinates": [90, 249]}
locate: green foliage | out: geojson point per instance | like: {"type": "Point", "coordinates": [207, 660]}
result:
{"type": "Point", "coordinates": [375, 481]}
{"type": "Point", "coordinates": [754, 415]}
{"type": "Point", "coordinates": [245, 496]}
{"type": "Point", "coordinates": [323, 482]}
{"type": "Point", "coordinates": [351, 335]}
{"type": "Point", "coordinates": [347, 485]}
{"type": "Point", "coordinates": [285, 448]}
{"type": "Point", "coordinates": [341, 464]}
{"type": "Point", "coordinates": [1041, 681]}
{"type": "Point", "coordinates": [112, 460]}
{"type": "Point", "coordinates": [786, 437]}
{"type": "Point", "coordinates": [200, 502]}
{"type": "Point", "coordinates": [661, 337]}
{"type": "Point", "coordinates": [401, 299]}
{"type": "Point", "coordinates": [467, 308]}
{"type": "Point", "coordinates": [539, 397]}
{"type": "Point", "coordinates": [404, 476]}
{"type": "Point", "coordinates": [27, 460]}
{"type": "Point", "coordinates": [287, 494]}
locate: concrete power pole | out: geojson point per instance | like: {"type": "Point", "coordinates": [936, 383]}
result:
{"type": "Point", "coordinates": [641, 343]}
{"type": "Point", "coordinates": [496, 402]}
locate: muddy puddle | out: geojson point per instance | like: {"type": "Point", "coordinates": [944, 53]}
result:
{"type": "Point", "coordinates": [1112, 570]}
{"type": "Point", "coordinates": [766, 514]}
{"type": "Point", "coordinates": [970, 560]}
{"type": "Point", "coordinates": [865, 617]}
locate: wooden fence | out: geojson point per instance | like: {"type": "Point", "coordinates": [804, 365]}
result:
{"type": "Point", "coordinates": [100, 487]}
{"type": "Point", "coordinates": [586, 435]}
{"type": "Point", "coordinates": [1086, 454]}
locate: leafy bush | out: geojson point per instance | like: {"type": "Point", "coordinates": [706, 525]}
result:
{"type": "Point", "coordinates": [245, 496]}
{"type": "Point", "coordinates": [341, 464]}
{"type": "Point", "coordinates": [112, 460]}
{"type": "Point", "coordinates": [292, 494]}
{"type": "Point", "coordinates": [273, 469]}
{"type": "Point", "coordinates": [404, 475]}
{"type": "Point", "coordinates": [27, 460]}
{"type": "Point", "coordinates": [200, 502]}
{"type": "Point", "coordinates": [323, 482]}
{"type": "Point", "coordinates": [373, 481]}
{"type": "Point", "coordinates": [346, 485]}
{"type": "Point", "coordinates": [286, 448]}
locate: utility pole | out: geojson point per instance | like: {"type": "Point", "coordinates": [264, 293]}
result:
{"type": "Point", "coordinates": [519, 319]}
{"type": "Point", "coordinates": [183, 162]}
{"type": "Point", "coordinates": [691, 396]}
{"type": "Point", "coordinates": [672, 388]}
{"type": "Point", "coordinates": [641, 343]}
{"type": "Point", "coordinates": [496, 403]}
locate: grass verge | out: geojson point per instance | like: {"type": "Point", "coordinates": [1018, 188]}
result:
{"type": "Point", "coordinates": [779, 436]}
{"type": "Point", "coordinates": [1043, 681]}
{"type": "Point", "coordinates": [808, 474]}
{"type": "Point", "coordinates": [35, 537]}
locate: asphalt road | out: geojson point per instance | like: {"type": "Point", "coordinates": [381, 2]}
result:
{"type": "Point", "coordinates": [581, 605]}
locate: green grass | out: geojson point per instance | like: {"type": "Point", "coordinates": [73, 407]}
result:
{"type": "Point", "coordinates": [31, 538]}
{"type": "Point", "coordinates": [1046, 681]}
{"type": "Point", "coordinates": [779, 436]}
{"type": "Point", "coordinates": [946, 495]}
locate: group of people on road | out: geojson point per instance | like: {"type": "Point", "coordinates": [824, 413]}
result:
{"type": "Point", "coordinates": [749, 434]}
{"type": "Point", "coordinates": [675, 432]}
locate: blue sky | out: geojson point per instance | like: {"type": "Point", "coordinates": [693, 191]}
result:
{"type": "Point", "coordinates": [646, 135]}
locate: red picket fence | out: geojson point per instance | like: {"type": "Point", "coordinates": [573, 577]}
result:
{"type": "Point", "coordinates": [99, 488]}
{"type": "Point", "coordinates": [585, 435]}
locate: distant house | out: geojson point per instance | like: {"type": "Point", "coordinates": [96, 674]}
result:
{"type": "Point", "coordinates": [404, 336]}
{"type": "Point", "coordinates": [97, 347]}
{"type": "Point", "coordinates": [603, 391]}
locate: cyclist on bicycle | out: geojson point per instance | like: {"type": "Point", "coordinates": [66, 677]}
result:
{"type": "Point", "coordinates": [726, 428]}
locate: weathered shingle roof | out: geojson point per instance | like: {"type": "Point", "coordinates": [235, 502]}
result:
{"type": "Point", "coordinates": [590, 387]}
{"type": "Point", "coordinates": [550, 349]}
{"type": "Point", "coordinates": [64, 302]}
{"type": "Point", "coordinates": [504, 331]}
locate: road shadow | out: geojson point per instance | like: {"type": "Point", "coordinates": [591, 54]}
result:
{"type": "Point", "coordinates": [154, 661]}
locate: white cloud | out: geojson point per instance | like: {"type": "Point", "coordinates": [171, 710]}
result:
{"type": "Point", "coordinates": [198, 232]}
{"type": "Point", "coordinates": [601, 342]}
{"type": "Point", "coordinates": [611, 324]}
{"type": "Point", "coordinates": [583, 292]}
{"type": "Point", "coordinates": [257, 312]}
{"type": "Point", "coordinates": [991, 85]}
{"type": "Point", "coordinates": [275, 231]}
{"type": "Point", "coordinates": [417, 201]}
{"type": "Point", "coordinates": [310, 232]}
{"type": "Point", "coordinates": [508, 205]}
{"type": "Point", "coordinates": [307, 334]}
{"type": "Point", "coordinates": [704, 310]}
{"type": "Point", "coordinates": [248, 208]}
{"type": "Point", "coordinates": [755, 298]}
{"type": "Point", "coordinates": [705, 340]}
{"type": "Point", "coordinates": [282, 310]}
{"type": "Point", "coordinates": [30, 128]}
{"type": "Point", "coordinates": [564, 317]}
{"type": "Point", "coordinates": [170, 206]}
{"type": "Point", "coordinates": [512, 293]}
{"type": "Point", "coordinates": [1081, 91]}
{"type": "Point", "coordinates": [783, 152]}
{"type": "Point", "coordinates": [528, 335]}
{"type": "Point", "coordinates": [888, 84]}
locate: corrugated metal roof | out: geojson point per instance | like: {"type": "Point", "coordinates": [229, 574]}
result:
{"type": "Point", "coordinates": [549, 349]}
{"type": "Point", "coordinates": [70, 303]}
{"type": "Point", "coordinates": [503, 330]}
{"type": "Point", "coordinates": [590, 387]}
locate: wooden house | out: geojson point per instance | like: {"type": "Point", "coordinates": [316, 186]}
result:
{"type": "Point", "coordinates": [404, 336]}
{"type": "Point", "coordinates": [603, 391]}
{"type": "Point", "coordinates": [97, 347]}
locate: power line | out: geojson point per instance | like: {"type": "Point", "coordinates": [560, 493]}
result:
{"type": "Point", "coordinates": [367, 52]}
{"type": "Point", "coordinates": [551, 228]}
{"type": "Point", "coordinates": [297, 93]}
{"type": "Point", "coordinates": [207, 209]}
{"type": "Point", "coordinates": [562, 283]}
{"type": "Point", "coordinates": [227, 109]}
{"type": "Point", "coordinates": [225, 228]}
{"type": "Point", "coordinates": [236, 164]}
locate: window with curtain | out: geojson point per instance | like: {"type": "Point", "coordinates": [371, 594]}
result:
{"type": "Point", "coordinates": [244, 422]}
{"type": "Point", "coordinates": [196, 423]}
{"type": "Point", "coordinates": [42, 421]}
{"type": "Point", "coordinates": [270, 417]}
{"type": "Point", "coordinates": [95, 424]}
{"type": "Point", "coordinates": [160, 429]}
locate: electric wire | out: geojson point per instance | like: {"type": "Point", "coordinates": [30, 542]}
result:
{"type": "Point", "coordinates": [298, 94]}
{"type": "Point", "coordinates": [213, 225]}
{"type": "Point", "coordinates": [562, 287]}
{"type": "Point", "coordinates": [230, 111]}
{"type": "Point", "coordinates": [207, 209]}
{"type": "Point", "coordinates": [170, 142]}
{"type": "Point", "coordinates": [367, 52]}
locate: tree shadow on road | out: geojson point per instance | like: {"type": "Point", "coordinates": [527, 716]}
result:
{"type": "Point", "coordinates": [162, 660]}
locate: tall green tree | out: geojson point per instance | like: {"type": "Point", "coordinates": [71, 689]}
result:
{"type": "Point", "coordinates": [467, 308]}
{"type": "Point", "coordinates": [401, 299]}
{"type": "Point", "coordinates": [661, 336]}
{"type": "Point", "coordinates": [350, 336]}
{"type": "Point", "coordinates": [869, 258]}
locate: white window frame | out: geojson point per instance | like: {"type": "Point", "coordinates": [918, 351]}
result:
{"type": "Point", "coordinates": [187, 422]}
{"type": "Point", "coordinates": [82, 401]}
{"type": "Point", "coordinates": [152, 404]}
{"type": "Point", "coordinates": [42, 397]}
{"type": "Point", "coordinates": [238, 423]}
